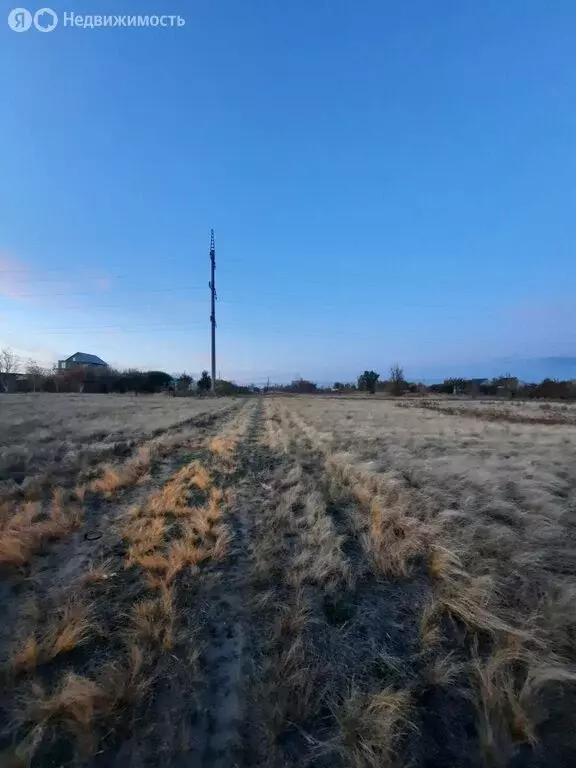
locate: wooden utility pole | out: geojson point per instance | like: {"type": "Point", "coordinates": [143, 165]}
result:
{"type": "Point", "coordinates": [213, 309]}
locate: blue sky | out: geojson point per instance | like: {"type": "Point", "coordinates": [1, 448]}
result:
{"type": "Point", "coordinates": [388, 181]}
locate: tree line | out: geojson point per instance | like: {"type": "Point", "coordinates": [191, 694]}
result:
{"type": "Point", "coordinates": [29, 376]}
{"type": "Point", "coordinates": [396, 384]}
{"type": "Point", "coordinates": [32, 377]}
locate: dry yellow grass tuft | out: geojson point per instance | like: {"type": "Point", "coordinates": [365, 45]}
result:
{"type": "Point", "coordinates": [508, 684]}
{"type": "Point", "coordinates": [214, 510]}
{"type": "Point", "coordinates": [72, 626]}
{"type": "Point", "coordinates": [173, 497]}
{"type": "Point", "coordinates": [153, 620]}
{"type": "Point", "coordinates": [26, 530]}
{"type": "Point", "coordinates": [199, 476]}
{"type": "Point", "coordinates": [223, 446]}
{"type": "Point", "coordinates": [219, 548]}
{"type": "Point", "coordinates": [394, 539]}
{"type": "Point", "coordinates": [200, 535]}
{"type": "Point", "coordinates": [276, 438]}
{"type": "Point", "coordinates": [127, 681]}
{"type": "Point", "coordinates": [390, 533]}
{"type": "Point", "coordinates": [26, 659]}
{"type": "Point", "coordinates": [371, 727]}
{"type": "Point", "coordinates": [444, 564]}
{"type": "Point", "coordinates": [97, 573]}
{"type": "Point", "coordinates": [444, 670]}
{"type": "Point", "coordinates": [320, 559]}
{"type": "Point", "coordinates": [80, 493]}
{"type": "Point", "coordinates": [73, 708]}
{"type": "Point", "coordinates": [429, 630]}
{"type": "Point", "coordinates": [131, 472]}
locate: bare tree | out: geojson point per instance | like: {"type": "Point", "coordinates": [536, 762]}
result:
{"type": "Point", "coordinates": [397, 382]}
{"type": "Point", "coordinates": [8, 364]}
{"type": "Point", "coordinates": [36, 373]}
{"type": "Point", "coordinates": [54, 374]}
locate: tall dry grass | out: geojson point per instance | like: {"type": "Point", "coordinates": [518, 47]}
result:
{"type": "Point", "coordinates": [485, 508]}
{"type": "Point", "coordinates": [26, 527]}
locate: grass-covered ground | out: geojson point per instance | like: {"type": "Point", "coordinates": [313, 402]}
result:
{"type": "Point", "coordinates": [291, 581]}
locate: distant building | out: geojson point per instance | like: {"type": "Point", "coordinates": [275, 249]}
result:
{"type": "Point", "coordinates": [474, 386]}
{"type": "Point", "coordinates": [82, 360]}
{"type": "Point", "coordinates": [9, 382]}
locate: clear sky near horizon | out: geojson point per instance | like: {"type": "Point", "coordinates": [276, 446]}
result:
{"type": "Point", "coordinates": [387, 181]}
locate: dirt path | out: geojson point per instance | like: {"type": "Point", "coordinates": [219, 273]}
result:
{"type": "Point", "coordinates": [226, 611]}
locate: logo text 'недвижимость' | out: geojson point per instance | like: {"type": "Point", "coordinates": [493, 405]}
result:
{"type": "Point", "coordinates": [46, 19]}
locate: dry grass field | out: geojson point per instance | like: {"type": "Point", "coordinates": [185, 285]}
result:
{"type": "Point", "coordinates": [513, 411]}
{"type": "Point", "coordinates": [285, 581]}
{"type": "Point", "coordinates": [42, 435]}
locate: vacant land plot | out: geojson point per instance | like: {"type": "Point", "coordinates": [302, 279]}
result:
{"type": "Point", "coordinates": [296, 582]}
{"type": "Point", "coordinates": [513, 411]}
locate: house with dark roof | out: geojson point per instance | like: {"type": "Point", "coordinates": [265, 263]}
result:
{"type": "Point", "coordinates": [82, 360]}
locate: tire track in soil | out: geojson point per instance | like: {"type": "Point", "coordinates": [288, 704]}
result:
{"type": "Point", "coordinates": [225, 609]}
{"type": "Point", "coordinates": [365, 636]}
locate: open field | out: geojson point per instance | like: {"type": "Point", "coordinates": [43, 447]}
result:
{"type": "Point", "coordinates": [281, 582]}
{"type": "Point", "coordinates": [513, 411]}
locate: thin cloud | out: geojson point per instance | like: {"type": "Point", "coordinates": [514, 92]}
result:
{"type": "Point", "coordinates": [14, 278]}
{"type": "Point", "coordinates": [103, 284]}
{"type": "Point", "coordinates": [22, 282]}
{"type": "Point", "coordinates": [98, 279]}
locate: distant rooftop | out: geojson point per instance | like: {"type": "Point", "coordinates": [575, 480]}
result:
{"type": "Point", "coordinates": [82, 358]}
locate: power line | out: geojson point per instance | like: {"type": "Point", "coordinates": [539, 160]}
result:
{"type": "Point", "coordinates": [68, 278]}
{"type": "Point", "coordinates": [89, 293]}
{"type": "Point", "coordinates": [70, 273]}
{"type": "Point", "coordinates": [121, 331]}
{"type": "Point", "coordinates": [90, 307]}
{"type": "Point", "coordinates": [88, 329]}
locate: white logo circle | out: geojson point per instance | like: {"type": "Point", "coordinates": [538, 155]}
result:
{"type": "Point", "coordinates": [19, 20]}
{"type": "Point", "coordinates": [45, 20]}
